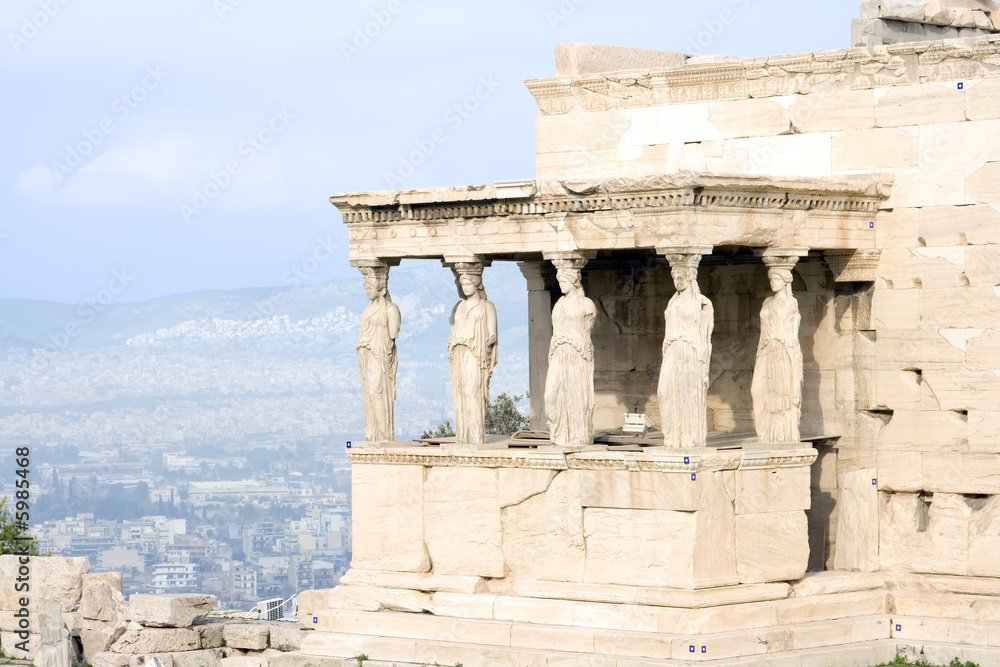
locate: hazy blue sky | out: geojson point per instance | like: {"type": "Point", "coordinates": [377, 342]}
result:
{"type": "Point", "coordinates": [115, 112]}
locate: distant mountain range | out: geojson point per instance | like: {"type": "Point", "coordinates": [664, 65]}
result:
{"type": "Point", "coordinates": [283, 354]}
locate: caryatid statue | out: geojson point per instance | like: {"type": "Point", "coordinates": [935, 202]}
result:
{"type": "Point", "coordinates": [777, 376]}
{"type": "Point", "coordinates": [687, 352]}
{"type": "Point", "coordinates": [569, 384]}
{"type": "Point", "coordinates": [472, 353]}
{"type": "Point", "coordinates": [377, 355]}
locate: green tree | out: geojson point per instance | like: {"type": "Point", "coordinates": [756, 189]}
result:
{"type": "Point", "coordinates": [13, 534]}
{"type": "Point", "coordinates": [503, 417]}
{"type": "Point", "coordinates": [443, 430]}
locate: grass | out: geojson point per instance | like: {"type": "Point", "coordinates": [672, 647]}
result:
{"type": "Point", "coordinates": [902, 661]}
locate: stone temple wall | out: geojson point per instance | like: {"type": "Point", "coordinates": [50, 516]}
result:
{"type": "Point", "coordinates": [906, 369]}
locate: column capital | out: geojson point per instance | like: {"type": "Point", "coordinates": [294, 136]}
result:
{"type": "Point", "coordinates": [569, 259]}
{"type": "Point", "coordinates": [781, 258]}
{"type": "Point", "coordinates": [684, 255]}
{"type": "Point", "coordinates": [535, 272]}
{"type": "Point", "coordinates": [466, 264]}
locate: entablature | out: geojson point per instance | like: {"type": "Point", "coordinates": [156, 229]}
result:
{"type": "Point", "coordinates": [520, 219]}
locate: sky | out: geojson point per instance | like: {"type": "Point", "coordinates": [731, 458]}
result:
{"type": "Point", "coordinates": [166, 146]}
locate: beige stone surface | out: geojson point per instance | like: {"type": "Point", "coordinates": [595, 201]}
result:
{"type": "Point", "coordinates": [969, 142]}
{"type": "Point", "coordinates": [250, 636]}
{"type": "Point", "coordinates": [948, 225]}
{"type": "Point", "coordinates": [112, 579]}
{"type": "Point", "coordinates": [826, 112]}
{"type": "Point", "coordinates": [900, 470]}
{"type": "Point", "coordinates": [10, 640]}
{"type": "Point", "coordinates": [543, 536]}
{"type": "Point", "coordinates": [390, 497]}
{"type": "Point", "coordinates": [857, 521]}
{"type": "Point", "coordinates": [983, 185]}
{"type": "Point", "coordinates": [922, 268]}
{"type": "Point", "coordinates": [749, 118]}
{"type": "Point", "coordinates": [576, 58]}
{"type": "Point", "coordinates": [580, 132]}
{"type": "Point", "coordinates": [801, 154]}
{"type": "Point", "coordinates": [52, 578]}
{"type": "Point", "coordinates": [310, 602]}
{"type": "Point", "coordinates": [964, 473]}
{"type": "Point", "coordinates": [285, 637]}
{"type": "Point", "coordinates": [875, 149]}
{"type": "Point", "coordinates": [168, 611]}
{"type": "Point", "coordinates": [622, 489]}
{"type": "Point", "coordinates": [204, 658]}
{"type": "Point", "coordinates": [102, 602]}
{"type": "Point", "coordinates": [920, 105]}
{"type": "Point", "coordinates": [461, 605]}
{"type": "Point", "coordinates": [922, 430]}
{"type": "Point", "coordinates": [468, 498]}
{"type": "Point", "coordinates": [519, 484]}
{"type": "Point", "coordinates": [833, 582]}
{"type": "Point", "coordinates": [772, 490]}
{"type": "Point", "coordinates": [984, 430]}
{"type": "Point", "coordinates": [157, 640]}
{"type": "Point", "coordinates": [772, 546]}
{"type": "Point", "coordinates": [372, 598]}
{"type": "Point", "coordinates": [643, 547]}
{"type": "Point", "coordinates": [108, 659]}
{"type": "Point", "coordinates": [982, 101]}
{"type": "Point", "coordinates": [924, 534]}
{"type": "Point", "coordinates": [984, 538]}
{"type": "Point", "coordinates": [211, 634]}
{"type": "Point", "coordinates": [933, 185]}
{"type": "Point", "coordinates": [414, 581]}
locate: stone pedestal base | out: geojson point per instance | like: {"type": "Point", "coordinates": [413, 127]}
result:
{"type": "Point", "coordinates": [684, 519]}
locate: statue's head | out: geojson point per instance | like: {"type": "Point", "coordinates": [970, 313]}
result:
{"type": "Point", "coordinates": [684, 277]}
{"type": "Point", "coordinates": [376, 281]}
{"type": "Point", "coordinates": [779, 278]}
{"type": "Point", "coordinates": [569, 278]}
{"type": "Point", "coordinates": [471, 283]}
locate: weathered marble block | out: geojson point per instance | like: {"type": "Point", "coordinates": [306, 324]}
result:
{"type": "Point", "coordinates": [668, 518]}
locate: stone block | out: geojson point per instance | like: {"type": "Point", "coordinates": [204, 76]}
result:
{"type": "Point", "coordinates": [832, 582]}
{"type": "Point", "coordinates": [391, 497]}
{"type": "Point", "coordinates": [249, 636]}
{"type": "Point", "coordinates": [833, 112]}
{"type": "Point", "coordinates": [900, 471]}
{"type": "Point", "coordinates": [772, 546]}
{"type": "Point", "coordinates": [578, 58]}
{"type": "Point", "coordinates": [984, 430]}
{"type": "Point", "coordinates": [310, 602]}
{"type": "Point", "coordinates": [622, 489]}
{"type": "Point", "coordinates": [972, 142]}
{"type": "Point", "coordinates": [915, 430]}
{"type": "Point", "coordinates": [983, 185]}
{"type": "Point", "coordinates": [857, 521]}
{"type": "Point", "coordinates": [286, 637]}
{"type": "Point", "coordinates": [552, 639]}
{"type": "Point", "coordinates": [165, 659]}
{"type": "Point", "coordinates": [370, 598]}
{"type": "Point", "coordinates": [9, 642]}
{"type": "Point", "coordinates": [924, 534]}
{"type": "Point", "coordinates": [676, 123]}
{"type": "Point", "coordinates": [749, 118]}
{"type": "Point", "coordinates": [462, 605]}
{"type": "Point", "coordinates": [715, 530]}
{"type": "Point", "coordinates": [524, 610]}
{"type": "Point", "coordinates": [543, 535]}
{"type": "Point", "coordinates": [982, 266]}
{"type": "Point", "coordinates": [632, 645]}
{"type": "Point", "coordinates": [961, 390]}
{"type": "Point", "coordinates": [921, 268]}
{"type": "Point", "coordinates": [101, 602]}
{"type": "Point", "coordinates": [937, 185]}
{"type": "Point", "coordinates": [462, 521]}
{"type": "Point", "coordinates": [414, 581]}
{"type": "Point", "coordinates": [898, 228]}
{"type": "Point", "coordinates": [772, 490]}
{"type": "Point", "coordinates": [883, 148]}
{"type": "Point", "coordinates": [960, 225]}
{"type": "Point", "coordinates": [519, 484]}
{"type": "Point", "coordinates": [920, 104]}
{"type": "Point", "coordinates": [211, 634]}
{"type": "Point", "coordinates": [112, 579]}
{"type": "Point", "coordinates": [157, 640]}
{"type": "Point", "coordinates": [982, 101]}
{"type": "Point", "coordinates": [903, 10]}
{"type": "Point", "coordinates": [595, 130]}
{"type": "Point", "coordinates": [639, 547]}
{"type": "Point", "coordinates": [108, 659]}
{"type": "Point", "coordinates": [204, 658]}
{"type": "Point", "coordinates": [98, 636]}
{"type": "Point", "coordinates": [168, 611]}
{"type": "Point", "coordinates": [798, 154]}
{"type": "Point", "coordinates": [965, 473]}
{"type": "Point", "coordinates": [52, 578]}
{"type": "Point", "coordinates": [831, 607]}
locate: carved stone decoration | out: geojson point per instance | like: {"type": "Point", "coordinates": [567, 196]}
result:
{"type": "Point", "coordinates": [687, 351]}
{"type": "Point", "coordinates": [776, 388]}
{"type": "Point", "coordinates": [472, 353]}
{"type": "Point", "coordinates": [853, 265]}
{"type": "Point", "coordinates": [569, 383]}
{"type": "Point", "coordinates": [55, 650]}
{"type": "Point", "coordinates": [377, 355]}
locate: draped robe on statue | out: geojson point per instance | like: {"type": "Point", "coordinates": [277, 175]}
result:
{"type": "Point", "coordinates": [777, 376]}
{"type": "Point", "coordinates": [377, 361]}
{"type": "Point", "coordinates": [472, 351]}
{"type": "Point", "coordinates": [569, 384]}
{"type": "Point", "coordinates": [683, 385]}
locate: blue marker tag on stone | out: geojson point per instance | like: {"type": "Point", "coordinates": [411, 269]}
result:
{"type": "Point", "coordinates": [691, 649]}
{"type": "Point", "coordinates": [694, 476]}
{"type": "Point", "coordinates": [961, 86]}
{"type": "Point", "coordinates": [873, 481]}
{"type": "Point", "coordinates": [315, 620]}
{"type": "Point", "coordinates": [704, 649]}
{"type": "Point", "coordinates": [348, 444]}
{"type": "Point", "coordinates": [871, 225]}
{"type": "Point", "coordinates": [687, 460]}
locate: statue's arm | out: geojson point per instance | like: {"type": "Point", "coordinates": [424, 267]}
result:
{"type": "Point", "coordinates": [493, 340]}
{"type": "Point", "coordinates": [393, 320]}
